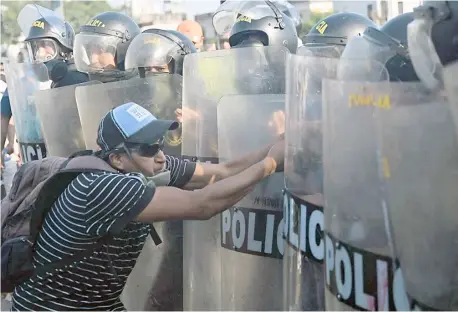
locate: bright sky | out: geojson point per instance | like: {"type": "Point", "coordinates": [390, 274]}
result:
{"type": "Point", "coordinates": [193, 7]}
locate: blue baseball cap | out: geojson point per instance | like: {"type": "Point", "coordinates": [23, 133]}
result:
{"type": "Point", "coordinates": [131, 123]}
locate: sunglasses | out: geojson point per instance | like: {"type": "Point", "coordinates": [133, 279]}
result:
{"type": "Point", "coordinates": [147, 150]}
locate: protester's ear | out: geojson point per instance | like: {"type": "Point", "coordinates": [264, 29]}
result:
{"type": "Point", "coordinates": [116, 161]}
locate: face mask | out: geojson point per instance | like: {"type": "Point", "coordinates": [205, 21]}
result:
{"type": "Point", "coordinates": [160, 179]}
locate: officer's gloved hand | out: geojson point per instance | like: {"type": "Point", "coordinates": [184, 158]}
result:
{"type": "Point", "coordinates": [57, 70]}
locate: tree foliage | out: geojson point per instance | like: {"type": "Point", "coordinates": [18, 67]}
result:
{"type": "Point", "coordinates": [76, 13]}
{"type": "Point", "coordinates": [313, 19]}
{"type": "Point", "coordinates": [9, 25]}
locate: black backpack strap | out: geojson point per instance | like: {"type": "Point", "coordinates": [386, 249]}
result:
{"type": "Point", "coordinates": [156, 238]}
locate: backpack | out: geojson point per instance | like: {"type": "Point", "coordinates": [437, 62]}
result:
{"type": "Point", "coordinates": [35, 188]}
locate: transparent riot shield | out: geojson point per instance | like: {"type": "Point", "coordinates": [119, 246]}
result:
{"type": "Point", "coordinates": [419, 164]}
{"type": "Point", "coordinates": [218, 275]}
{"type": "Point", "coordinates": [358, 260]}
{"type": "Point", "coordinates": [63, 135]}
{"type": "Point", "coordinates": [251, 231]}
{"type": "Point", "coordinates": [24, 79]}
{"type": "Point", "coordinates": [303, 197]}
{"type": "Point", "coordinates": [451, 86]}
{"type": "Point", "coordinates": [156, 280]}
{"type": "Point", "coordinates": [160, 94]}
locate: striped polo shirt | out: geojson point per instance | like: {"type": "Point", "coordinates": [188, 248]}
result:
{"type": "Point", "coordinates": [93, 205]}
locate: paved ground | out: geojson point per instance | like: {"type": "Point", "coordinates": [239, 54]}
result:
{"type": "Point", "coordinates": [6, 304]}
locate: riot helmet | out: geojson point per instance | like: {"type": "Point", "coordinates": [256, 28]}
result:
{"type": "Point", "coordinates": [397, 27]}
{"type": "Point", "coordinates": [48, 36]}
{"type": "Point", "coordinates": [101, 45]}
{"type": "Point", "coordinates": [158, 51]}
{"type": "Point", "coordinates": [388, 46]}
{"type": "Point", "coordinates": [330, 35]}
{"type": "Point", "coordinates": [433, 40]}
{"type": "Point", "coordinates": [255, 23]}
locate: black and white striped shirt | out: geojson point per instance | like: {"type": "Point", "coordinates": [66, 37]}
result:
{"type": "Point", "coordinates": [93, 205]}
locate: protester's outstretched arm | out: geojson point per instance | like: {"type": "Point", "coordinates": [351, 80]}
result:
{"type": "Point", "coordinates": [171, 203]}
{"type": "Point", "coordinates": [206, 174]}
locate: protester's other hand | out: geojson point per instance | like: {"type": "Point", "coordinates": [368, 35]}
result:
{"type": "Point", "coordinates": [185, 113]}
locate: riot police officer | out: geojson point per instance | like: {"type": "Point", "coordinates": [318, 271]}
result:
{"type": "Point", "coordinates": [158, 55]}
{"type": "Point", "coordinates": [50, 41]}
{"type": "Point", "coordinates": [102, 44]}
{"type": "Point", "coordinates": [388, 46]}
{"type": "Point", "coordinates": [158, 51]}
{"type": "Point", "coordinates": [52, 44]}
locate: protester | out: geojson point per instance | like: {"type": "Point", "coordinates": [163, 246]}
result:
{"type": "Point", "coordinates": [148, 187]}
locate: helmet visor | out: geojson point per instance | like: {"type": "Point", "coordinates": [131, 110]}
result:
{"type": "Point", "coordinates": [150, 51]}
{"type": "Point", "coordinates": [42, 50]}
{"type": "Point", "coordinates": [320, 50]}
{"type": "Point", "coordinates": [423, 54]}
{"type": "Point", "coordinates": [365, 47]}
{"type": "Point", "coordinates": [367, 50]}
{"type": "Point", "coordinates": [30, 15]}
{"type": "Point", "coordinates": [232, 11]}
{"type": "Point", "coordinates": [95, 53]}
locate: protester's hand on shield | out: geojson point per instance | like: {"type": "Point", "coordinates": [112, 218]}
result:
{"type": "Point", "coordinates": [186, 113]}
{"type": "Point", "coordinates": [278, 122]}
{"type": "Point", "coordinates": [277, 152]}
